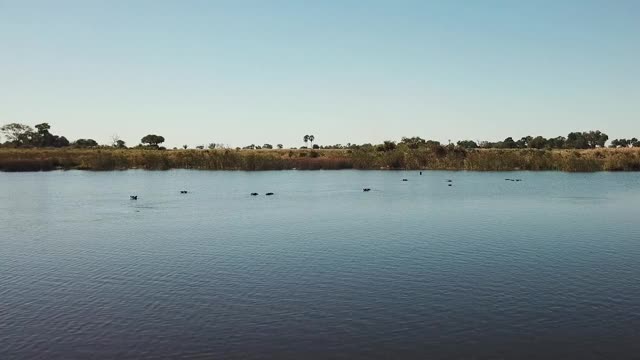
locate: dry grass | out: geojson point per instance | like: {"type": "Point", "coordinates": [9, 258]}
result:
{"type": "Point", "coordinates": [424, 158]}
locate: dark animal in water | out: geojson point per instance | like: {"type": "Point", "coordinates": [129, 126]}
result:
{"type": "Point", "coordinates": [133, 197]}
{"type": "Point", "coordinates": [269, 194]}
{"type": "Point", "coordinates": [254, 194]}
{"type": "Point", "coordinates": [518, 179]}
{"type": "Point", "coordinates": [405, 180]}
{"type": "Point", "coordinates": [450, 184]}
{"type": "Point", "coordinates": [420, 172]}
{"type": "Point", "coordinates": [366, 189]}
{"type": "Point", "coordinates": [449, 180]}
{"type": "Point", "coordinates": [183, 192]}
{"type": "Point", "coordinates": [508, 180]}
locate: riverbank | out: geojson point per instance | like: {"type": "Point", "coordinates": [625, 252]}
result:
{"type": "Point", "coordinates": [442, 158]}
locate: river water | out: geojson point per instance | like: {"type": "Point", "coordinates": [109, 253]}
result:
{"type": "Point", "coordinates": [546, 267]}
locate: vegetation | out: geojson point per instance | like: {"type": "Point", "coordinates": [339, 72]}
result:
{"type": "Point", "coordinates": [402, 157]}
{"type": "Point", "coordinates": [29, 149]}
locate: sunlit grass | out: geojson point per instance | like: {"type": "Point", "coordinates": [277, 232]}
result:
{"type": "Point", "coordinates": [442, 158]}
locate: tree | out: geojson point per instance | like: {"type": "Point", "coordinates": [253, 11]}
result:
{"type": "Point", "coordinates": [387, 145]}
{"type": "Point", "coordinates": [537, 142]}
{"type": "Point", "coordinates": [84, 143]}
{"type": "Point", "coordinates": [152, 140]}
{"type": "Point", "coordinates": [595, 138]}
{"type": "Point", "coordinates": [311, 138]}
{"type": "Point", "coordinates": [414, 142]}
{"type": "Point", "coordinates": [586, 140]}
{"type": "Point", "coordinates": [524, 142]}
{"type": "Point", "coordinates": [280, 146]}
{"type": "Point", "coordinates": [557, 142]}
{"type": "Point", "coordinates": [114, 140]}
{"type": "Point", "coordinates": [212, 146]}
{"type": "Point", "coordinates": [185, 146]}
{"type": "Point", "coordinates": [200, 147]}
{"type": "Point", "coordinates": [120, 144]}
{"type": "Point", "coordinates": [267, 146]}
{"type": "Point", "coordinates": [305, 139]}
{"type": "Point", "coordinates": [508, 143]}
{"type": "Point", "coordinates": [43, 128]}
{"type": "Point", "coordinates": [467, 144]}
{"type": "Point", "coordinates": [18, 134]}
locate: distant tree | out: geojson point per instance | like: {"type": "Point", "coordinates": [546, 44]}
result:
{"type": "Point", "coordinates": [413, 142]}
{"type": "Point", "coordinates": [152, 140]}
{"type": "Point", "coordinates": [212, 146]}
{"type": "Point", "coordinates": [305, 139]}
{"type": "Point", "coordinates": [120, 144]}
{"type": "Point", "coordinates": [595, 138]}
{"type": "Point", "coordinates": [586, 140]}
{"type": "Point", "coordinates": [185, 146]}
{"type": "Point", "coordinates": [267, 146]}
{"type": "Point", "coordinates": [61, 141]}
{"type": "Point", "coordinates": [311, 138]}
{"type": "Point", "coordinates": [43, 138]}
{"type": "Point", "coordinates": [556, 142]}
{"type": "Point", "coordinates": [19, 134]}
{"type": "Point", "coordinates": [467, 144]}
{"type": "Point", "coordinates": [114, 140]}
{"type": "Point", "coordinates": [85, 143]}
{"type": "Point", "coordinates": [508, 143]}
{"type": "Point", "coordinates": [633, 142]}
{"type": "Point", "coordinates": [315, 147]}
{"type": "Point", "coordinates": [387, 145]}
{"type": "Point", "coordinates": [200, 147]}
{"type": "Point", "coordinates": [537, 142]}
{"type": "Point", "coordinates": [280, 146]}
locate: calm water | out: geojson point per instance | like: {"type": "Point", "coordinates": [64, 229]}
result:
{"type": "Point", "coordinates": [546, 267]}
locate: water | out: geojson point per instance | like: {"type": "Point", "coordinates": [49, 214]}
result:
{"type": "Point", "coordinates": [487, 268]}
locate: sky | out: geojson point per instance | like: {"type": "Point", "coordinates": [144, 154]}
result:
{"type": "Point", "coordinates": [243, 72]}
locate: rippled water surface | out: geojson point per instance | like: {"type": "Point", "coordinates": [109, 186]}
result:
{"type": "Point", "coordinates": [486, 268]}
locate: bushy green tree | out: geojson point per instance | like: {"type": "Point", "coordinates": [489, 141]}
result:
{"type": "Point", "coordinates": [85, 143]}
{"type": "Point", "coordinates": [18, 134]}
{"type": "Point", "coordinates": [152, 140]}
{"type": "Point", "coordinates": [537, 142]}
{"type": "Point", "coordinates": [468, 144]}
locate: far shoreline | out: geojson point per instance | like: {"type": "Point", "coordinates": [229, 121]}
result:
{"type": "Point", "coordinates": [425, 159]}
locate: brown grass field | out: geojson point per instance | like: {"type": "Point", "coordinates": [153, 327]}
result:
{"type": "Point", "coordinates": [604, 159]}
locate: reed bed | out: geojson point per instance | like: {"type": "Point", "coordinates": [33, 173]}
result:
{"type": "Point", "coordinates": [439, 158]}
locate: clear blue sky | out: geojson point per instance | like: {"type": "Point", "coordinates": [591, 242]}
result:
{"type": "Point", "coordinates": [241, 72]}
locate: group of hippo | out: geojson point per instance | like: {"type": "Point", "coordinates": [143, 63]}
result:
{"type": "Point", "coordinates": [449, 183]}
{"type": "Point", "coordinates": [135, 197]}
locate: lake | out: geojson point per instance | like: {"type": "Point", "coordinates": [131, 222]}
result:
{"type": "Point", "coordinates": [547, 267]}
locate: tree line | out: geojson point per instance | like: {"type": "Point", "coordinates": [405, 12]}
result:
{"type": "Point", "coordinates": [24, 136]}
{"type": "Point", "coordinates": [20, 135]}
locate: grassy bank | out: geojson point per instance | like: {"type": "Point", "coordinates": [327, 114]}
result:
{"type": "Point", "coordinates": [441, 158]}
